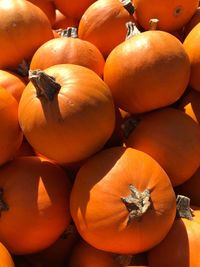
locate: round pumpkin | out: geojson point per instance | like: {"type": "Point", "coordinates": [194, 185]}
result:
{"type": "Point", "coordinates": [5, 257]}
{"type": "Point", "coordinates": [34, 204]}
{"type": "Point", "coordinates": [172, 138]}
{"type": "Point", "coordinates": [104, 23]}
{"type": "Point", "coordinates": [172, 15]}
{"type": "Point", "coordinates": [148, 71]}
{"type": "Point", "coordinates": [24, 27]}
{"type": "Point", "coordinates": [123, 196]}
{"type": "Point", "coordinates": [68, 49]}
{"type": "Point", "coordinates": [66, 113]}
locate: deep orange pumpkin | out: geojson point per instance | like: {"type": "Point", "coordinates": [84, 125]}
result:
{"type": "Point", "coordinates": [34, 204]}
{"type": "Point", "coordinates": [5, 257]}
{"type": "Point", "coordinates": [123, 196]}
{"type": "Point", "coordinates": [71, 119]}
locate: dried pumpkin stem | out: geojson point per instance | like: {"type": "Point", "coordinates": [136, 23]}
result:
{"type": "Point", "coordinates": [69, 32]}
{"type": "Point", "coordinates": [45, 84]}
{"type": "Point", "coordinates": [128, 5]}
{"type": "Point", "coordinates": [3, 204]}
{"type": "Point", "coordinates": [137, 203]}
{"type": "Point", "coordinates": [183, 209]}
{"type": "Point", "coordinates": [132, 30]}
{"type": "Point", "coordinates": [153, 24]}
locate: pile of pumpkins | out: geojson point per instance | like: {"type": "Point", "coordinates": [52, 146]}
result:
{"type": "Point", "coordinates": [99, 133]}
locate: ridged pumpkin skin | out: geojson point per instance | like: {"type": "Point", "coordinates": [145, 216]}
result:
{"type": "Point", "coordinates": [191, 46]}
{"type": "Point", "coordinates": [24, 27]}
{"type": "Point", "coordinates": [101, 216]}
{"type": "Point", "coordinates": [5, 257]}
{"type": "Point", "coordinates": [36, 192]}
{"type": "Point", "coordinates": [172, 15]}
{"type": "Point", "coordinates": [104, 24]}
{"type": "Point", "coordinates": [173, 139]}
{"type": "Point", "coordinates": [76, 123]}
{"type": "Point", "coordinates": [148, 71]}
{"type": "Point", "coordinates": [184, 234]}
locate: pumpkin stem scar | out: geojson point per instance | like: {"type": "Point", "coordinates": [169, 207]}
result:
{"type": "Point", "coordinates": [128, 5]}
{"type": "Point", "coordinates": [183, 209]}
{"type": "Point", "coordinates": [45, 84]}
{"type": "Point", "coordinates": [69, 32]}
{"type": "Point", "coordinates": [131, 30]}
{"type": "Point", "coordinates": [3, 204]}
{"type": "Point", "coordinates": [137, 203]}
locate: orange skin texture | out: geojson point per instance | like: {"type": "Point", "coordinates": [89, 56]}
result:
{"type": "Point", "coordinates": [191, 46]}
{"type": "Point", "coordinates": [148, 71]}
{"type": "Point", "coordinates": [173, 139]}
{"type": "Point", "coordinates": [99, 213]}
{"type": "Point", "coordinates": [104, 25]}
{"type": "Point", "coordinates": [70, 50]}
{"type": "Point", "coordinates": [172, 15]}
{"type": "Point", "coordinates": [13, 83]}
{"type": "Point", "coordinates": [5, 257]}
{"type": "Point", "coordinates": [24, 27]}
{"type": "Point", "coordinates": [10, 133]}
{"type": "Point", "coordinates": [193, 22]}
{"type": "Point", "coordinates": [74, 9]}
{"type": "Point", "coordinates": [181, 245]}
{"type": "Point", "coordinates": [37, 194]}
{"type": "Point", "coordinates": [62, 21]}
{"type": "Point", "coordinates": [79, 120]}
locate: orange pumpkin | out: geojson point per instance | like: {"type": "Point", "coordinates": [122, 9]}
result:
{"type": "Point", "coordinates": [166, 135]}
{"type": "Point", "coordinates": [62, 21]}
{"type": "Point", "coordinates": [68, 49]}
{"type": "Point", "coordinates": [5, 257]}
{"type": "Point", "coordinates": [72, 115]}
{"type": "Point", "coordinates": [123, 196]}
{"type": "Point", "coordinates": [172, 15]}
{"type": "Point", "coordinates": [104, 24]}
{"type": "Point", "coordinates": [148, 71]}
{"type": "Point", "coordinates": [34, 204]}
{"type": "Point", "coordinates": [24, 27]}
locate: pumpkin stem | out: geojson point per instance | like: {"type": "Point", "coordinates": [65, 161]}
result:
{"type": "Point", "coordinates": [132, 30]}
{"type": "Point", "coordinates": [183, 209]}
{"type": "Point", "coordinates": [123, 260]}
{"type": "Point", "coordinates": [3, 204]}
{"type": "Point", "coordinates": [128, 5]}
{"type": "Point", "coordinates": [153, 24]}
{"type": "Point", "coordinates": [137, 203]}
{"type": "Point", "coordinates": [45, 84]}
{"type": "Point", "coordinates": [69, 32]}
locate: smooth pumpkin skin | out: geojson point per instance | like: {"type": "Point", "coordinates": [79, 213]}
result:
{"type": "Point", "coordinates": [79, 120]}
{"type": "Point", "coordinates": [148, 71]}
{"type": "Point", "coordinates": [181, 245]}
{"type": "Point", "coordinates": [10, 133]}
{"type": "Point", "coordinates": [104, 24]}
{"type": "Point", "coordinates": [13, 83]}
{"type": "Point", "coordinates": [172, 15]}
{"type": "Point", "coordinates": [24, 27]}
{"type": "Point", "coordinates": [69, 50]}
{"type": "Point", "coordinates": [99, 213]}
{"type": "Point", "coordinates": [62, 21]}
{"type": "Point", "coordinates": [191, 46]}
{"type": "Point", "coordinates": [5, 257]}
{"type": "Point", "coordinates": [37, 194]}
{"type": "Point", "coordinates": [172, 138]}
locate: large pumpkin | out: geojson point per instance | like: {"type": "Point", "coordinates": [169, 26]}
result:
{"type": "Point", "coordinates": [5, 257]}
{"type": "Point", "coordinates": [123, 196]}
{"type": "Point", "coordinates": [67, 113]}
{"type": "Point", "coordinates": [172, 138]}
{"type": "Point", "coordinates": [34, 204]}
{"type": "Point", "coordinates": [148, 71]}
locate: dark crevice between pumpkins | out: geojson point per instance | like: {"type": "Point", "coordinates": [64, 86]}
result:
{"type": "Point", "coordinates": [3, 205]}
{"type": "Point", "coordinates": [183, 209]}
{"type": "Point", "coordinates": [128, 5]}
{"type": "Point", "coordinates": [45, 85]}
{"type": "Point", "coordinates": [69, 32]}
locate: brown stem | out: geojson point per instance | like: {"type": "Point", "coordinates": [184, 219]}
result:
{"type": "Point", "coordinates": [132, 29]}
{"type": "Point", "coordinates": [3, 204]}
{"type": "Point", "coordinates": [45, 84]}
{"type": "Point", "coordinates": [137, 203]}
{"type": "Point", "coordinates": [183, 209]}
{"type": "Point", "coordinates": [128, 5]}
{"type": "Point", "coordinates": [69, 32]}
{"type": "Point", "coordinates": [123, 260]}
{"type": "Point", "coordinates": [153, 24]}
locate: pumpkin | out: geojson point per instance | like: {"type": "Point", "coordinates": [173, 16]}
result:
{"type": "Point", "coordinates": [63, 22]}
{"type": "Point", "coordinates": [172, 16]}
{"type": "Point", "coordinates": [166, 135]}
{"type": "Point", "coordinates": [74, 9]}
{"type": "Point", "coordinates": [123, 196]}
{"type": "Point", "coordinates": [24, 27]}
{"type": "Point", "coordinates": [72, 115]}
{"type": "Point", "coordinates": [68, 49]}
{"type": "Point", "coordinates": [10, 133]}
{"type": "Point", "coordinates": [191, 46]}
{"type": "Point", "coordinates": [34, 204]}
{"type": "Point", "coordinates": [104, 23]}
{"type": "Point", "coordinates": [150, 70]}
{"type": "Point", "coordinates": [13, 83]}
{"type": "Point", "coordinates": [5, 257]}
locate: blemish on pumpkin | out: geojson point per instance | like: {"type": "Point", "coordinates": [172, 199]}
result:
{"type": "Point", "coordinates": [178, 11]}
